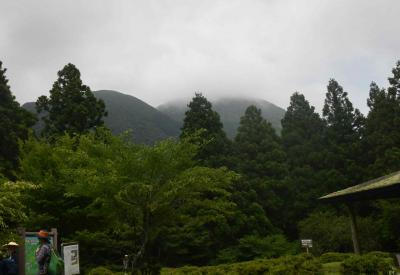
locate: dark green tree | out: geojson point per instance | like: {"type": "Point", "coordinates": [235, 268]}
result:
{"type": "Point", "coordinates": [203, 125]}
{"type": "Point", "coordinates": [342, 137]}
{"type": "Point", "coordinates": [260, 159]}
{"type": "Point", "coordinates": [258, 147]}
{"type": "Point", "coordinates": [382, 127]}
{"type": "Point", "coordinates": [302, 139]}
{"type": "Point", "coordinates": [302, 133]}
{"type": "Point", "coordinates": [14, 125]}
{"type": "Point", "coordinates": [71, 107]}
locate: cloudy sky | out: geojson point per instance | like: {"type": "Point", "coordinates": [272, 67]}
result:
{"type": "Point", "coordinates": [167, 49]}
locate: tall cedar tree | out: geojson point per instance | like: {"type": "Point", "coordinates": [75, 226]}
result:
{"type": "Point", "coordinates": [14, 125]}
{"type": "Point", "coordinates": [382, 127]}
{"type": "Point", "coordinates": [261, 161]}
{"type": "Point", "coordinates": [343, 137]}
{"type": "Point", "coordinates": [204, 123]}
{"type": "Point", "coordinates": [258, 147]}
{"type": "Point", "coordinates": [72, 107]}
{"type": "Point", "coordinates": [302, 139]}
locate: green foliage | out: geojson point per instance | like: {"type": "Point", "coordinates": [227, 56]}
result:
{"type": "Point", "coordinates": [201, 120]}
{"type": "Point", "coordinates": [259, 157]}
{"type": "Point", "coordinates": [299, 264]}
{"type": "Point", "coordinates": [103, 271]}
{"type": "Point", "coordinates": [330, 257]}
{"type": "Point", "coordinates": [251, 247]}
{"type": "Point", "coordinates": [12, 209]}
{"type": "Point", "coordinates": [230, 110]}
{"type": "Point", "coordinates": [342, 137]}
{"type": "Point", "coordinates": [383, 122]}
{"type": "Point", "coordinates": [71, 107]}
{"type": "Point", "coordinates": [132, 194]}
{"type": "Point", "coordinates": [302, 138]}
{"type": "Point", "coordinates": [371, 263]}
{"type": "Point", "coordinates": [328, 231]}
{"type": "Point", "coordinates": [14, 125]}
{"type": "Point", "coordinates": [259, 153]}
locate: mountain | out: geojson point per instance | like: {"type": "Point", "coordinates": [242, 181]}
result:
{"type": "Point", "coordinates": [230, 111]}
{"type": "Point", "coordinates": [128, 112]}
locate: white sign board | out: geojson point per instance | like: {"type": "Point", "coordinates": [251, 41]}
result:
{"type": "Point", "coordinates": [306, 243]}
{"type": "Point", "coordinates": [71, 259]}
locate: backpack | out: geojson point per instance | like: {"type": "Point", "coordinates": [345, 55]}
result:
{"type": "Point", "coordinates": [56, 266]}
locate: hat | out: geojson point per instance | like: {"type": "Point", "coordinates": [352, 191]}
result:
{"type": "Point", "coordinates": [11, 244]}
{"type": "Point", "coordinates": [43, 234]}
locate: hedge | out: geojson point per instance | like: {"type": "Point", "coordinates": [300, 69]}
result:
{"type": "Point", "coordinates": [331, 257]}
{"type": "Point", "coordinates": [371, 263]}
{"type": "Point", "coordinates": [299, 264]}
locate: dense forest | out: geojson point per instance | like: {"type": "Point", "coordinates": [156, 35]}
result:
{"type": "Point", "coordinates": [202, 198]}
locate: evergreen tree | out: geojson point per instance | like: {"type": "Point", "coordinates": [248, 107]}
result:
{"type": "Point", "coordinates": [382, 127]}
{"type": "Point", "coordinates": [14, 125]}
{"type": "Point", "coordinates": [342, 137]}
{"type": "Point", "coordinates": [260, 159]}
{"type": "Point", "coordinates": [71, 107]}
{"type": "Point", "coordinates": [302, 132]}
{"type": "Point", "coordinates": [258, 147]}
{"type": "Point", "coordinates": [204, 124]}
{"type": "Point", "coordinates": [302, 138]}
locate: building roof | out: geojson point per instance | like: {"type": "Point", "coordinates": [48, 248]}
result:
{"type": "Point", "coordinates": [384, 187]}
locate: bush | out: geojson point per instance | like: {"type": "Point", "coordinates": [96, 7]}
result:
{"type": "Point", "coordinates": [371, 263]}
{"type": "Point", "coordinates": [100, 271]}
{"type": "Point", "coordinates": [299, 264]}
{"type": "Point", "coordinates": [252, 247]}
{"type": "Point", "coordinates": [331, 257]}
{"type": "Point", "coordinates": [103, 271]}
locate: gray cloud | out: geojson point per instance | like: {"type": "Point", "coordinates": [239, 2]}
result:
{"type": "Point", "coordinates": [161, 50]}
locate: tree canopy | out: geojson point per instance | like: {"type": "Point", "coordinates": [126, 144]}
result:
{"type": "Point", "coordinates": [71, 107]}
{"type": "Point", "coordinates": [14, 125]}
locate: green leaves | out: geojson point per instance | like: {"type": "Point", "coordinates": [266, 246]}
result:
{"type": "Point", "coordinates": [12, 209]}
{"type": "Point", "coordinates": [71, 107]}
{"type": "Point", "coordinates": [14, 125]}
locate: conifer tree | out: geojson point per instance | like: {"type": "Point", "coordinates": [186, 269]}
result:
{"type": "Point", "coordinates": [302, 132]}
{"type": "Point", "coordinates": [204, 123]}
{"type": "Point", "coordinates": [382, 127]}
{"type": "Point", "coordinates": [302, 139]}
{"type": "Point", "coordinates": [342, 136]}
{"type": "Point", "coordinates": [14, 125]}
{"type": "Point", "coordinates": [71, 107]}
{"type": "Point", "coordinates": [258, 147]}
{"type": "Point", "coordinates": [260, 159]}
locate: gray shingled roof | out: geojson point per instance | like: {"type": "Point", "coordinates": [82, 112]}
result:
{"type": "Point", "coordinates": [384, 187]}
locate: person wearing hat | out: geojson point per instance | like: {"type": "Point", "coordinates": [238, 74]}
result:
{"type": "Point", "coordinates": [43, 252]}
{"type": "Point", "coordinates": [9, 265]}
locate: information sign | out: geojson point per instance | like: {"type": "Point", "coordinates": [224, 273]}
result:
{"type": "Point", "coordinates": [71, 258]}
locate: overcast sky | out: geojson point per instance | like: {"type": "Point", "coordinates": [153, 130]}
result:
{"type": "Point", "coordinates": [167, 49]}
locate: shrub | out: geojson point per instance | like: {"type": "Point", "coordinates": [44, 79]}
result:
{"type": "Point", "coordinates": [331, 257]}
{"type": "Point", "coordinates": [100, 271]}
{"type": "Point", "coordinates": [299, 264]}
{"type": "Point", "coordinates": [371, 263]}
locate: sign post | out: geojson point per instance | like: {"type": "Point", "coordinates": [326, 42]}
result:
{"type": "Point", "coordinates": [307, 244]}
{"type": "Point", "coordinates": [70, 252]}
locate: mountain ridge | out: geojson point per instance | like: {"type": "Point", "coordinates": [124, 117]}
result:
{"type": "Point", "coordinates": [150, 124]}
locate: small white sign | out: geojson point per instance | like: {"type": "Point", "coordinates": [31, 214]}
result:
{"type": "Point", "coordinates": [71, 259]}
{"type": "Point", "coordinates": [306, 243]}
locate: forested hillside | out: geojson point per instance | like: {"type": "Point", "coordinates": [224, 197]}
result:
{"type": "Point", "coordinates": [125, 112]}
